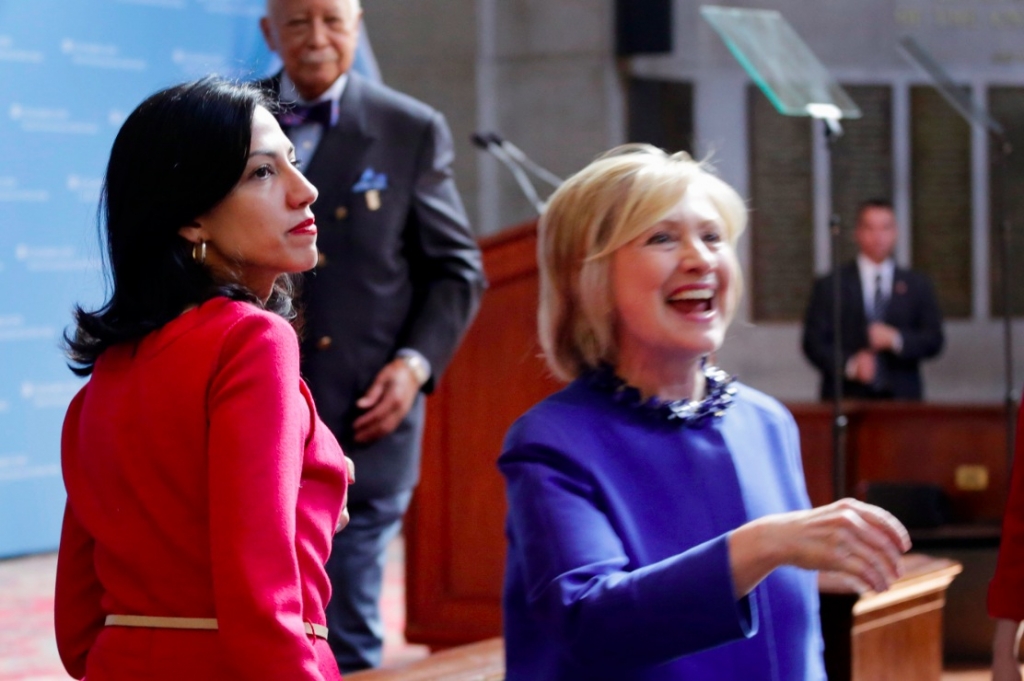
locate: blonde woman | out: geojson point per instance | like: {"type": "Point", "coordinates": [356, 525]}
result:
{"type": "Point", "coordinates": [658, 520]}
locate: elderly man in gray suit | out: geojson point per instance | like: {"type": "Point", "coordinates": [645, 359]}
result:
{"type": "Point", "coordinates": [398, 281]}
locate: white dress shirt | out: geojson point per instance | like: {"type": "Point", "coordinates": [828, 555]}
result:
{"type": "Point", "coordinates": [869, 273]}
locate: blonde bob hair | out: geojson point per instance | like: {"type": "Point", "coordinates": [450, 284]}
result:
{"type": "Point", "coordinates": [594, 213]}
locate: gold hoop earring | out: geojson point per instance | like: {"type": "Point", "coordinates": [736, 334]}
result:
{"type": "Point", "coordinates": [199, 252]}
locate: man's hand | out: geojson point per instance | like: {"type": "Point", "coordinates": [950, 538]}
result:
{"type": "Point", "coordinates": [861, 367]}
{"type": "Point", "coordinates": [387, 401]}
{"type": "Point", "coordinates": [882, 337]}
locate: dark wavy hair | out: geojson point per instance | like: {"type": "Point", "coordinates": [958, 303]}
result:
{"type": "Point", "coordinates": [176, 157]}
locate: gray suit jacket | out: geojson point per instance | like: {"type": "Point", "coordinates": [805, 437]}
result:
{"type": "Point", "coordinates": [401, 272]}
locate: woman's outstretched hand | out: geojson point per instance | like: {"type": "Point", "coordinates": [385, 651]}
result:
{"type": "Point", "coordinates": [861, 542]}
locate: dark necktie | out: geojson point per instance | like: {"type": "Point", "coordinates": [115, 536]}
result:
{"type": "Point", "coordinates": [878, 305]}
{"type": "Point", "coordinates": [300, 115]}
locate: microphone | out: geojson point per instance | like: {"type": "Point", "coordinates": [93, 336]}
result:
{"type": "Point", "coordinates": [528, 163]}
{"type": "Point", "coordinates": [496, 150]}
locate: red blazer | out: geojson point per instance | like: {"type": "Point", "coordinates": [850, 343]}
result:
{"type": "Point", "coordinates": [1006, 591]}
{"type": "Point", "coordinates": [201, 483]}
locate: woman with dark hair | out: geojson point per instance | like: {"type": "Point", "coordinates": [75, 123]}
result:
{"type": "Point", "coordinates": [203, 490]}
{"type": "Point", "coordinates": [659, 527]}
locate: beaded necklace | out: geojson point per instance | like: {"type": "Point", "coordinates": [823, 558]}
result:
{"type": "Point", "coordinates": [719, 396]}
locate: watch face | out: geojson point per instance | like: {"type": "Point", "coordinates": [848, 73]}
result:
{"type": "Point", "coordinates": [416, 365]}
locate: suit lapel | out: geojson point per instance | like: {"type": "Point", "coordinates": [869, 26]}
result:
{"type": "Point", "coordinates": [897, 305]}
{"type": "Point", "coordinates": [853, 296]}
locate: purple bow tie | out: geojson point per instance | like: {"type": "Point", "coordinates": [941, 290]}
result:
{"type": "Point", "coordinates": [299, 115]}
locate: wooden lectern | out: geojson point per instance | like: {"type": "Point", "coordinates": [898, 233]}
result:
{"type": "Point", "coordinates": [893, 635]}
{"type": "Point", "coordinates": [455, 543]}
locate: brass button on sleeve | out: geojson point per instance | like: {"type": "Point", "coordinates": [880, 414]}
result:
{"type": "Point", "coordinates": [340, 213]}
{"type": "Point", "coordinates": [324, 342]}
{"type": "Point", "coordinates": [321, 259]}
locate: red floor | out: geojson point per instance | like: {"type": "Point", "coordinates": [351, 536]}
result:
{"type": "Point", "coordinates": [28, 652]}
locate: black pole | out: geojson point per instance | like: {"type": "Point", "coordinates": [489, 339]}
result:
{"type": "Point", "coordinates": [1005, 230]}
{"type": "Point", "coordinates": [839, 421]}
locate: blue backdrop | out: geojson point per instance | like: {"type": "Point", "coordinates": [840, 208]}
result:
{"type": "Point", "coordinates": [70, 71]}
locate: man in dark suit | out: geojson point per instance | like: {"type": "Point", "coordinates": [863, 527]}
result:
{"type": "Point", "coordinates": [890, 317]}
{"type": "Point", "coordinates": [398, 281]}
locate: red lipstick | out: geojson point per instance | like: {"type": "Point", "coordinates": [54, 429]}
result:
{"type": "Point", "coordinates": [307, 226]}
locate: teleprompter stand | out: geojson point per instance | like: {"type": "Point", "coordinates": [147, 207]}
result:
{"type": "Point", "coordinates": [960, 100]}
{"type": "Point", "coordinates": [797, 84]}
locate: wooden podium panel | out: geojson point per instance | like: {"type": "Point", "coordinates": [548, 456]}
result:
{"type": "Point", "coordinates": [910, 441]}
{"type": "Point", "coordinates": [455, 541]}
{"type": "Point", "coordinates": [895, 635]}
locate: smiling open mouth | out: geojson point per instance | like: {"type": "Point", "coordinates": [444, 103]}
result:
{"type": "Point", "coordinates": [693, 300]}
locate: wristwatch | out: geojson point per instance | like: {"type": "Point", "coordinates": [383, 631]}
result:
{"type": "Point", "coordinates": [417, 365]}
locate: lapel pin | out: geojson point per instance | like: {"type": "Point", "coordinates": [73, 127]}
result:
{"type": "Point", "coordinates": [373, 199]}
{"type": "Point", "coordinates": [371, 184]}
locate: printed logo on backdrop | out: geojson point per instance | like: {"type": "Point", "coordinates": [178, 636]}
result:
{"type": "Point", "coordinates": [49, 119]}
{"type": "Point", "coordinates": [68, 84]}
{"type": "Point", "coordinates": [197, 64]}
{"type": "Point", "coordinates": [115, 117]}
{"type": "Point", "coordinates": [16, 466]}
{"type": "Point", "coordinates": [168, 4]}
{"type": "Point", "coordinates": [242, 8]}
{"type": "Point", "coordinates": [53, 259]}
{"type": "Point", "coordinates": [9, 51]}
{"type": "Point", "coordinates": [85, 189]}
{"type": "Point", "coordinates": [13, 328]}
{"type": "Point", "coordinates": [50, 395]}
{"type": "Point", "coordinates": [10, 192]}
{"type": "Point", "coordinates": [100, 55]}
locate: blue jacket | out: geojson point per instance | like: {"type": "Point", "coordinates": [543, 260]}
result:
{"type": "Point", "coordinates": [618, 527]}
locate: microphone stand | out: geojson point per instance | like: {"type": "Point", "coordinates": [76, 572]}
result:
{"type": "Point", "coordinates": [485, 143]}
{"type": "Point", "coordinates": [525, 161]}
{"type": "Point", "coordinates": [518, 163]}
{"type": "Point", "coordinates": [1010, 400]}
